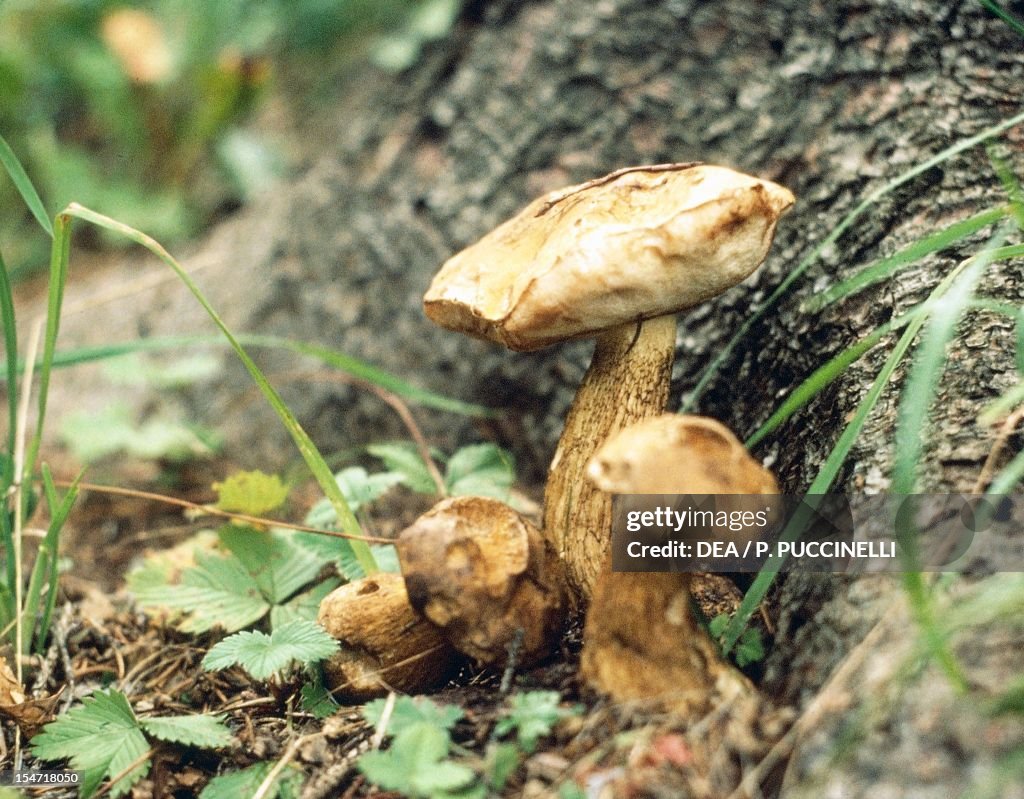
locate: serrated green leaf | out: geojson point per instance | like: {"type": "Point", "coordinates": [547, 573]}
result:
{"type": "Point", "coordinates": [217, 592]}
{"type": "Point", "coordinates": [264, 655]}
{"type": "Point", "coordinates": [200, 730]}
{"type": "Point", "coordinates": [316, 699]}
{"type": "Point", "coordinates": [385, 554]}
{"type": "Point", "coordinates": [359, 489]}
{"type": "Point", "coordinates": [100, 738]}
{"type": "Point", "coordinates": [409, 710]}
{"type": "Point", "coordinates": [246, 782]}
{"type": "Point", "coordinates": [403, 458]}
{"type": "Point", "coordinates": [484, 470]}
{"type": "Point", "coordinates": [277, 565]}
{"type": "Point", "coordinates": [532, 715]}
{"type": "Point", "coordinates": [413, 764]}
{"type": "Point", "coordinates": [750, 648]}
{"type": "Point", "coordinates": [253, 493]}
{"type": "Point", "coordinates": [305, 606]}
{"type": "Point", "coordinates": [718, 624]}
{"type": "Point", "coordinates": [441, 779]}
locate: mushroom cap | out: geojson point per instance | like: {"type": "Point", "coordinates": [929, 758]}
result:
{"type": "Point", "coordinates": [678, 454]}
{"type": "Point", "coordinates": [638, 243]}
{"type": "Point", "coordinates": [483, 574]}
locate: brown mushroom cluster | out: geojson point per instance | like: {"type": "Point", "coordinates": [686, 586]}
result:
{"type": "Point", "coordinates": [613, 259]}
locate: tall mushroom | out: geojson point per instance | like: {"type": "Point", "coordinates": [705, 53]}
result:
{"type": "Point", "coordinates": [641, 641]}
{"type": "Point", "coordinates": [614, 258]}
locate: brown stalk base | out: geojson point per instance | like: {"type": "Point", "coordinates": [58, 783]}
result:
{"type": "Point", "coordinates": [642, 643]}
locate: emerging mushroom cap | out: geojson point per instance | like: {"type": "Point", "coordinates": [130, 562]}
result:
{"type": "Point", "coordinates": [678, 454]}
{"type": "Point", "coordinates": [638, 243]}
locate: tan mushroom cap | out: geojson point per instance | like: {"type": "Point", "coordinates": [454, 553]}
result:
{"type": "Point", "coordinates": [677, 453]}
{"type": "Point", "coordinates": [638, 243]}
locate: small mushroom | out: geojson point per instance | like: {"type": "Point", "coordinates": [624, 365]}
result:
{"type": "Point", "coordinates": [640, 640]}
{"type": "Point", "coordinates": [385, 644]}
{"type": "Point", "coordinates": [484, 575]}
{"type": "Point", "coordinates": [614, 259]}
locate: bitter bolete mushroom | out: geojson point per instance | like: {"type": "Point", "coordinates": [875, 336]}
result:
{"type": "Point", "coordinates": [385, 644]}
{"type": "Point", "coordinates": [484, 575]}
{"type": "Point", "coordinates": [641, 640]}
{"type": "Point", "coordinates": [614, 258]}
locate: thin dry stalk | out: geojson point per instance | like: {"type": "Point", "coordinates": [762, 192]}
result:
{"type": "Point", "coordinates": [1005, 431]}
{"type": "Point", "coordinates": [385, 718]}
{"type": "Point", "coordinates": [209, 510]}
{"type": "Point", "coordinates": [832, 695]}
{"type": "Point", "coordinates": [280, 765]}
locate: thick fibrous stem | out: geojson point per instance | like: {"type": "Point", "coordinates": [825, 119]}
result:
{"type": "Point", "coordinates": [628, 380]}
{"type": "Point", "coordinates": [642, 643]}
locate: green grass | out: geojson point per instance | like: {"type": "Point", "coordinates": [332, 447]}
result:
{"type": "Point", "coordinates": [18, 476]}
{"type": "Point", "coordinates": [931, 326]}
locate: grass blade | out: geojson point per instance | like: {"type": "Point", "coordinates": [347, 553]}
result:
{"type": "Point", "coordinates": [829, 471]}
{"type": "Point", "coordinates": [844, 224]}
{"type": "Point", "coordinates": [314, 460]}
{"type": "Point", "coordinates": [929, 363]}
{"type": "Point", "coordinates": [1004, 15]}
{"type": "Point", "coordinates": [826, 374]}
{"type": "Point", "coordinates": [887, 267]}
{"type": "Point", "coordinates": [821, 484]}
{"type": "Point", "coordinates": [326, 355]}
{"type": "Point", "coordinates": [24, 186]}
{"type": "Point", "coordinates": [59, 252]}
{"type": "Point", "coordinates": [44, 572]}
{"type": "Point", "coordinates": [10, 331]}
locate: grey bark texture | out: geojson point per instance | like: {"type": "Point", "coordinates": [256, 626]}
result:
{"type": "Point", "coordinates": [831, 99]}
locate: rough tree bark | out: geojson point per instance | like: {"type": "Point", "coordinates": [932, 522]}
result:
{"type": "Point", "coordinates": [831, 99]}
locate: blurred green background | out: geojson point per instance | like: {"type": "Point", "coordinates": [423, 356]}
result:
{"type": "Point", "coordinates": [151, 112]}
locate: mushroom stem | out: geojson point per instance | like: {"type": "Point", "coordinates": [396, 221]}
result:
{"type": "Point", "coordinates": [628, 380]}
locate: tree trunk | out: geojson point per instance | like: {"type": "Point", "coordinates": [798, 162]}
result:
{"type": "Point", "coordinates": [832, 100]}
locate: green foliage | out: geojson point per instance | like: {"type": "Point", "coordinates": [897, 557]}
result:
{"type": "Point", "coordinates": [408, 710]}
{"type": "Point", "coordinates": [941, 312]}
{"type": "Point", "coordinates": [201, 731]}
{"type": "Point", "coordinates": [416, 766]}
{"type": "Point", "coordinates": [94, 436]}
{"type": "Point", "coordinates": [253, 493]}
{"type": "Point", "coordinates": [141, 110]}
{"type": "Point", "coordinates": [478, 469]}
{"type": "Point", "coordinates": [262, 572]}
{"type": "Point", "coordinates": [264, 656]}
{"type": "Point", "coordinates": [429, 21]}
{"type": "Point", "coordinates": [103, 737]}
{"type": "Point", "coordinates": [244, 783]}
{"type": "Point", "coordinates": [315, 697]}
{"type": "Point", "coordinates": [749, 647]}
{"type": "Point", "coordinates": [533, 715]}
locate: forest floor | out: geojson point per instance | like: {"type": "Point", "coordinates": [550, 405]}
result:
{"type": "Point", "coordinates": [102, 640]}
